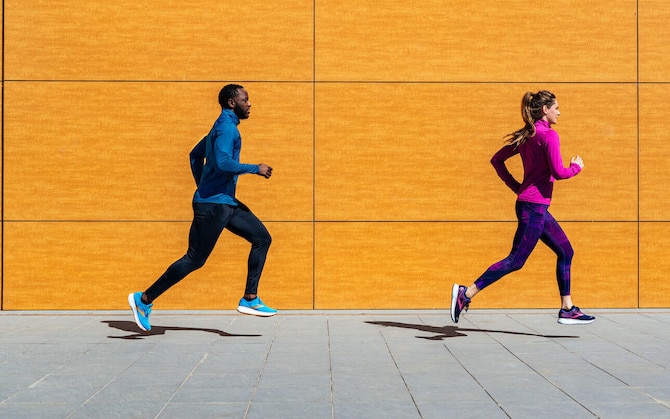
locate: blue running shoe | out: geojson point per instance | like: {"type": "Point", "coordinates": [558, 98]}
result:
{"type": "Point", "coordinates": [255, 307]}
{"type": "Point", "coordinates": [141, 311]}
{"type": "Point", "coordinates": [459, 302]}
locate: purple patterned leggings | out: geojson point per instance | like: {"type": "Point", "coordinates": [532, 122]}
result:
{"type": "Point", "coordinates": [535, 223]}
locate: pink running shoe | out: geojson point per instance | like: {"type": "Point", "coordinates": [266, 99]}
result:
{"type": "Point", "coordinates": [459, 302]}
{"type": "Point", "coordinates": [574, 316]}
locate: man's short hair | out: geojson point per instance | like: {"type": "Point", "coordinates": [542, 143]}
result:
{"type": "Point", "coordinates": [228, 91]}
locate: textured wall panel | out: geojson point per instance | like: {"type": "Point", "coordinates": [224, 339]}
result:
{"type": "Point", "coordinates": [413, 265]}
{"type": "Point", "coordinates": [91, 265]}
{"type": "Point", "coordinates": [654, 287]}
{"type": "Point", "coordinates": [170, 40]}
{"type": "Point", "coordinates": [119, 151]}
{"type": "Point", "coordinates": [479, 40]}
{"type": "Point", "coordinates": [654, 153]}
{"type": "Point", "coordinates": [422, 151]}
{"type": "Point", "coordinates": [654, 40]}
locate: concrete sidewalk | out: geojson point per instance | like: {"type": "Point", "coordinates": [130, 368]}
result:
{"type": "Point", "coordinates": [335, 364]}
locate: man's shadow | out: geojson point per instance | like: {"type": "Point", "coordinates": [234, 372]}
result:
{"type": "Point", "coordinates": [444, 332]}
{"type": "Point", "coordinates": [137, 333]}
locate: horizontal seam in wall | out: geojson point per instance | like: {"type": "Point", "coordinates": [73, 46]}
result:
{"type": "Point", "coordinates": [522, 82]}
{"type": "Point", "coordinates": [337, 221]}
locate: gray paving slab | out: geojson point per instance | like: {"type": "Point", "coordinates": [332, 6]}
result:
{"type": "Point", "coordinates": [335, 364]}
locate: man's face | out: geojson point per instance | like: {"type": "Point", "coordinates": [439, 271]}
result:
{"type": "Point", "coordinates": [240, 104]}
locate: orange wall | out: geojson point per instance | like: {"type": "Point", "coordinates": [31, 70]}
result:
{"type": "Point", "coordinates": [379, 125]}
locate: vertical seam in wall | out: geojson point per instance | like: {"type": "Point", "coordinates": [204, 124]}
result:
{"type": "Point", "coordinates": [2, 175]}
{"type": "Point", "coordinates": [313, 154]}
{"type": "Point", "coordinates": [637, 98]}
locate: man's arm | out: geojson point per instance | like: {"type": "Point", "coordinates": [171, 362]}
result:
{"type": "Point", "coordinates": [225, 146]}
{"type": "Point", "coordinates": [197, 157]}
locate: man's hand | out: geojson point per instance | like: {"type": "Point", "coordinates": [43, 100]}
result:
{"type": "Point", "coordinates": [264, 170]}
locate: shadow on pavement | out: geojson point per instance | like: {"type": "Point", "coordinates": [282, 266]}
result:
{"type": "Point", "coordinates": [443, 332]}
{"type": "Point", "coordinates": [137, 333]}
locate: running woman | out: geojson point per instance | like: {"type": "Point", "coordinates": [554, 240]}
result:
{"type": "Point", "coordinates": [539, 147]}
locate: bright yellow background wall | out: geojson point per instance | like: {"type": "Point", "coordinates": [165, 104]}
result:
{"type": "Point", "coordinates": [379, 123]}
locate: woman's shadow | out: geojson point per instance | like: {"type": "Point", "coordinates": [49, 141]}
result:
{"type": "Point", "coordinates": [444, 332]}
{"type": "Point", "coordinates": [137, 333]}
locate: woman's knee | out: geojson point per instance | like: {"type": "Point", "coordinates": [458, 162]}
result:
{"type": "Point", "coordinates": [566, 253]}
{"type": "Point", "coordinates": [509, 265]}
{"type": "Point", "coordinates": [569, 253]}
{"type": "Point", "coordinates": [516, 265]}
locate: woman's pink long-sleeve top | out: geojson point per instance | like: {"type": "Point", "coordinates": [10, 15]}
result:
{"type": "Point", "coordinates": [542, 165]}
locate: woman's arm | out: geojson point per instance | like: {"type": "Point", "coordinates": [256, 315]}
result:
{"type": "Point", "coordinates": [555, 160]}
{"type": "Point", "coordinates": [498, 162]}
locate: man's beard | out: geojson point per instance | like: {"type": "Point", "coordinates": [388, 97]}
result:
{"type": "Point", "coordinates": [240, 114]}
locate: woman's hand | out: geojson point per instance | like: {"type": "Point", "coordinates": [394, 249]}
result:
{"type": "Point", "coordinates": [578, 160]}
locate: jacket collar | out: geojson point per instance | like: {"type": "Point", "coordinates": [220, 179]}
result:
{"type": "Point", "coordinates": [230, 115]}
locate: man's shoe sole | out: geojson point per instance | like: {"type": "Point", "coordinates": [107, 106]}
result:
{"type": "Point", "coordinates": [250, 311]}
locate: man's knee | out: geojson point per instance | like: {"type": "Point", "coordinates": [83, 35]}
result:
{"type": "Point", "coordinates": [263, 241]}
{"type": "Point", "coordinates": [194, 261]}
{"type": "Point", "coordinates": [198, 263]}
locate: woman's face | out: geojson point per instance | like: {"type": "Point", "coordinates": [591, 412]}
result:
{"type": "Point", "coordinates": [551, 114]}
